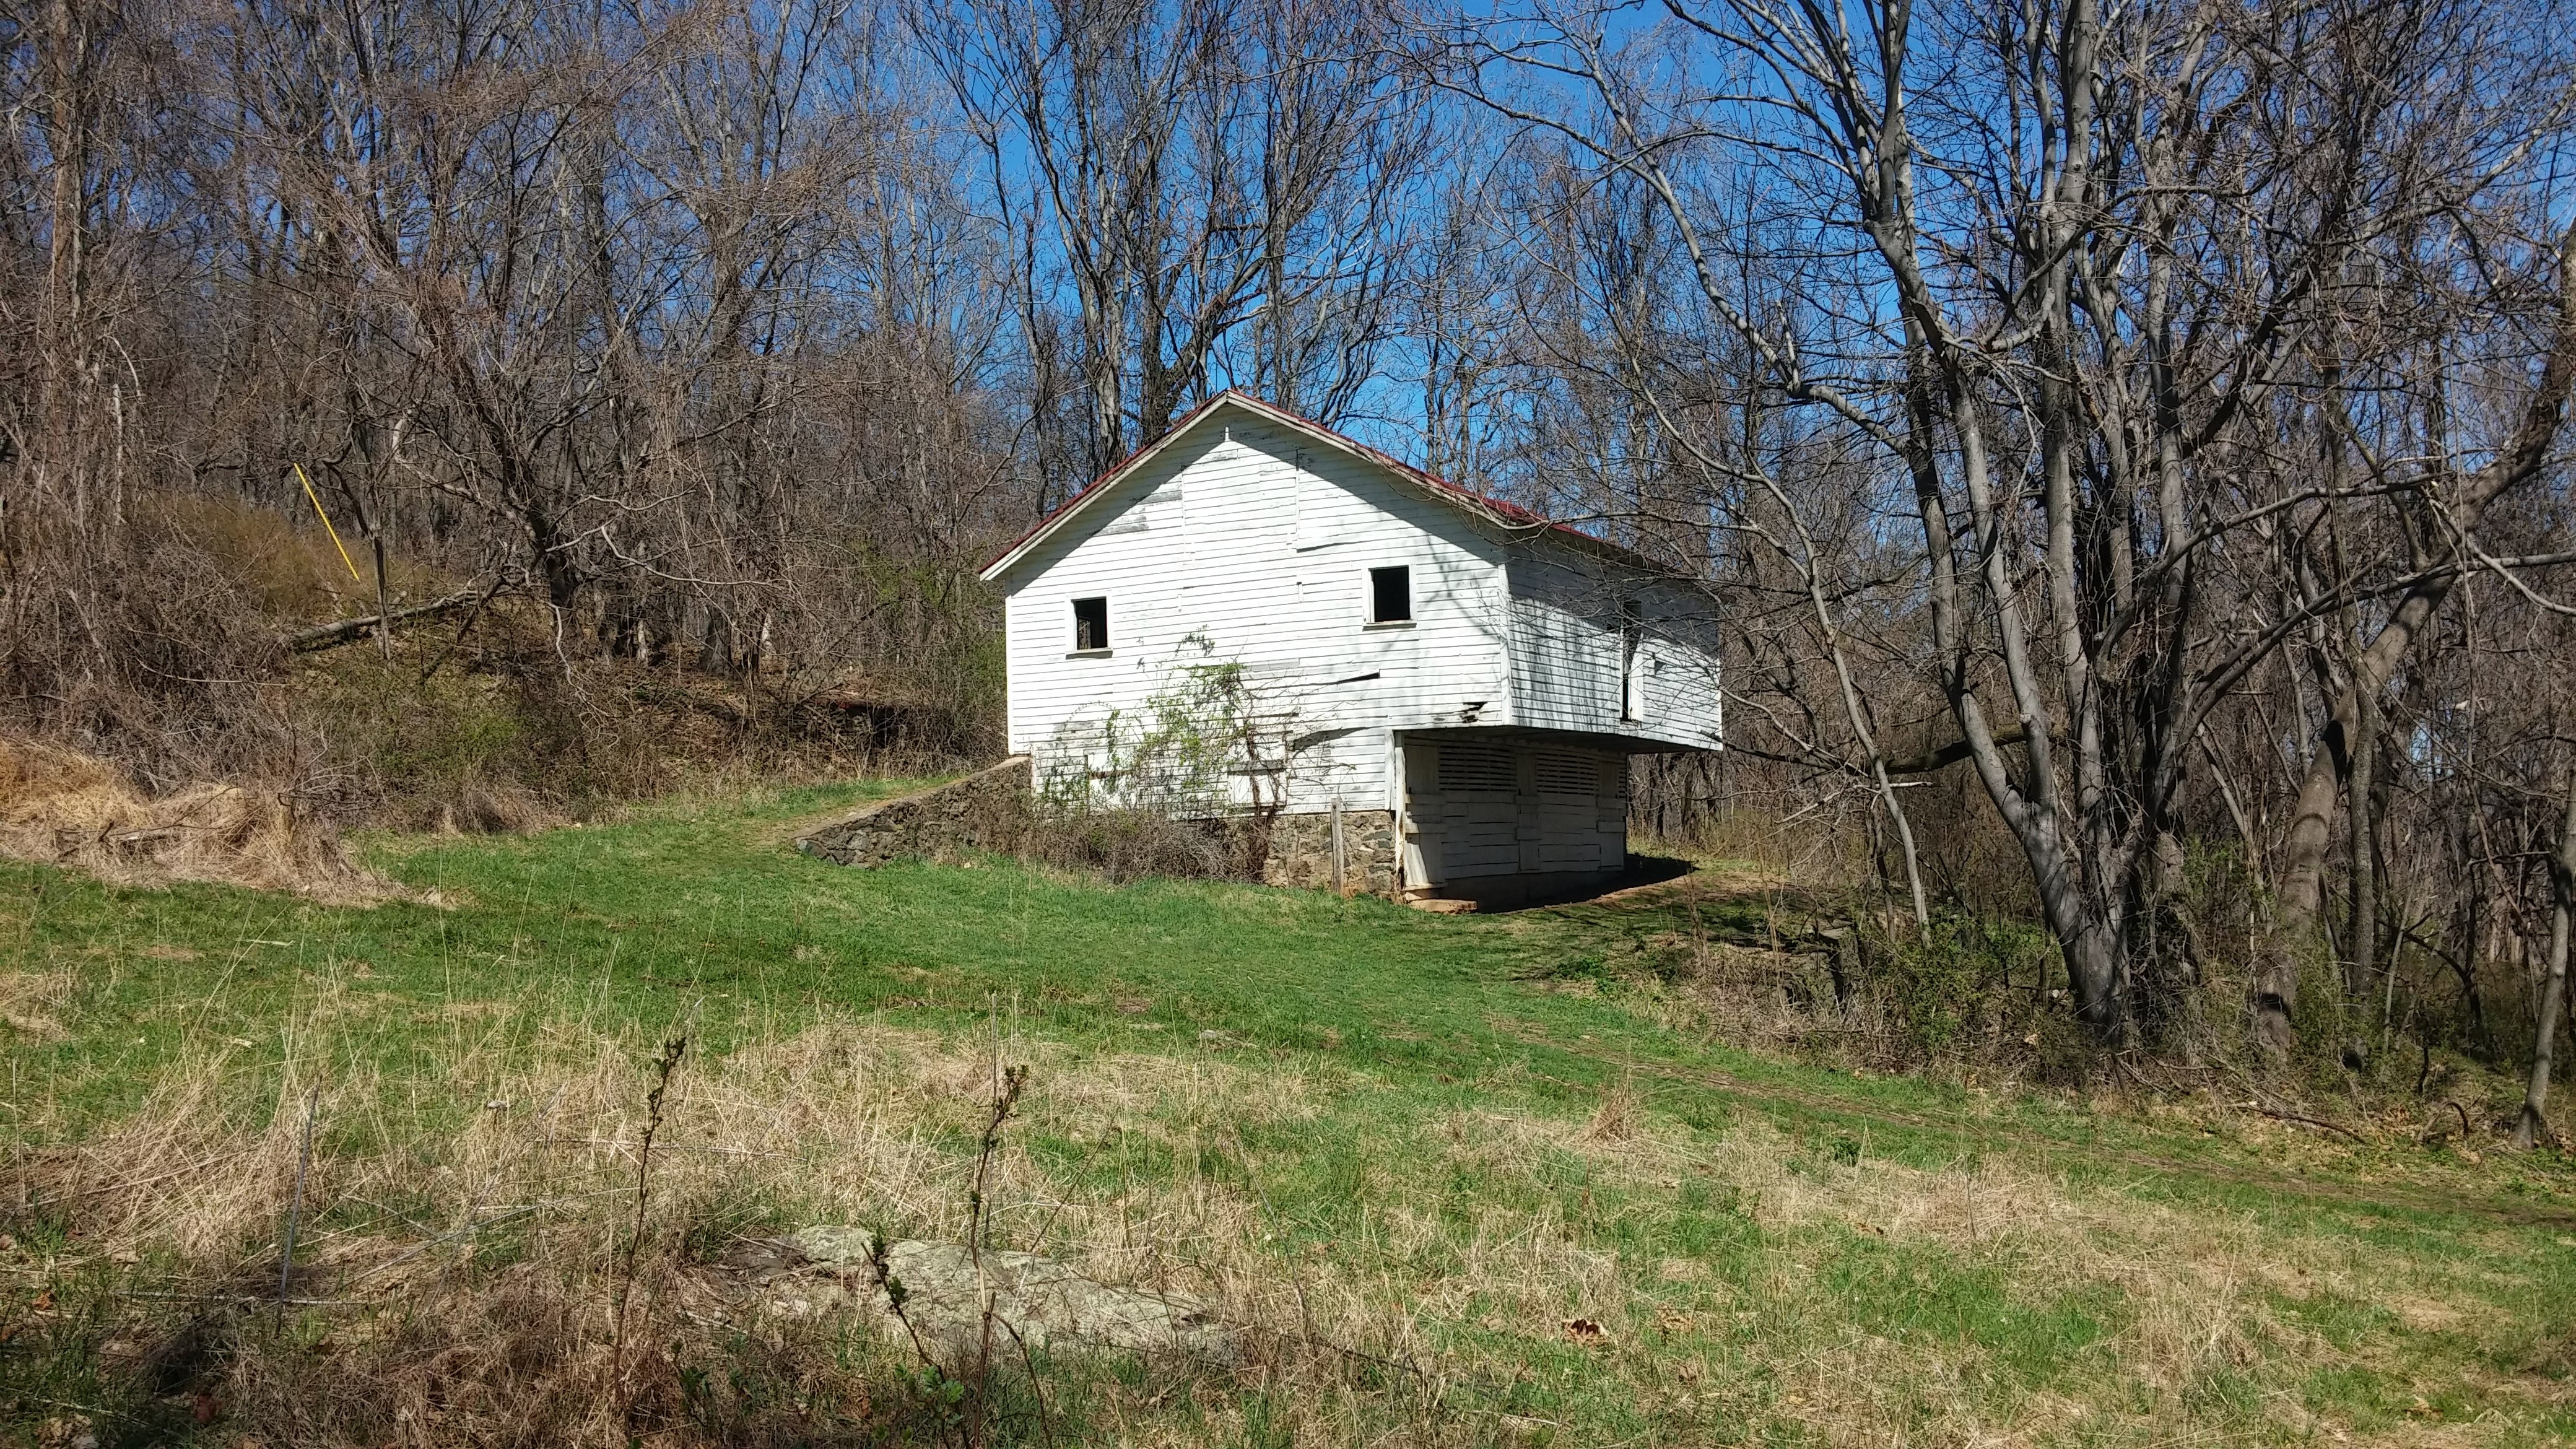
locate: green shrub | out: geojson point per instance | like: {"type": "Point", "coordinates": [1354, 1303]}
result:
{"type": "Point", "coordinates": [1937, 996]}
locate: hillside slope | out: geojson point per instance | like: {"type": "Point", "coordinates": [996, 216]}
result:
{"type": "Point", "coordinates": [1464, 1177]}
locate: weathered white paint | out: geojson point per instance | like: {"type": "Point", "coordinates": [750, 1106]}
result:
{"type": "Point", "coordinates": [1570, 655]}
{"type": "Point", "coordinates": [1246, 536]}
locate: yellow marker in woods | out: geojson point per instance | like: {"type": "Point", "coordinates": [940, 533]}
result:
{"type": "Point", "coordinates": [326, 520]}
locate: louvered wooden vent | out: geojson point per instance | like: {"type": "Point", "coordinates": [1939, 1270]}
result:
{"type": "Point", "coordinates": [1476, 767]}
{"type": "Point", "coordinates": [1569, 775]}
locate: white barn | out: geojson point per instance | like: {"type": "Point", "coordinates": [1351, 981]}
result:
{"type": "Point", "coordinates": [1438, 691]}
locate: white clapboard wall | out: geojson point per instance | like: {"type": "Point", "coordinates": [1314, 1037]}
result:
{"type": "Point", "coordinates": [1241, 547]}
{"type": "Point", "coordinates": [1596, 647]}
{"type": "Point", "coordinates": [1247, 542]}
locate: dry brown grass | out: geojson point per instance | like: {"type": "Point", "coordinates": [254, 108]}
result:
{"type": "Point", "coordinates": [463, 1229]}
{"type": "Point", "coordinates": [29, 1001]}
{"type": "Point", "coordinates": [61, 807]}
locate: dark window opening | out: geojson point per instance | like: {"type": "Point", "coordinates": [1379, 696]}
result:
{"type": "Point", "coordinates": [1632, 662]}
{"type": "Point", "coordinates": [1391, 595]}
{"type": "Point", "coordinates": [1091, 623]}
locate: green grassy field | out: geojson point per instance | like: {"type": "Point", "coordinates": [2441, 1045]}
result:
{"type": "Point", "coordinates": [1480, 1179]}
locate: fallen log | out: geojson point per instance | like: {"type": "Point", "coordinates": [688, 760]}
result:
{"type": "Point", "coordinates": [1950, 754]}
{"type": "Point", "coordinates": [349, 631]}
{"type": "Point", "coordinates": [673, 696]}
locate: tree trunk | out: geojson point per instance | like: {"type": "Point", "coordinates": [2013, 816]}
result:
{"type": "Point", "coordinates": [2093, 970]}
{"type": "Point", "coordinates": [2363, 941]}
{"type": "Point", "coordinates": [2532, 1126]}
{"type": "Point", "coordinates": [2302, 882]}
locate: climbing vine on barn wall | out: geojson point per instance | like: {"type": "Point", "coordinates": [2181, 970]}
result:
{"type": "Point", "coordinates": [1209, 743]}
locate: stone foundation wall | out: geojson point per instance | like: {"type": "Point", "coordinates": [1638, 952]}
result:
{"type": "Point", "coordinates": [987, 810]}
{"type": "Point", "coordinates": [990, 810]}
{"type": "Point", "coordinates": [1301, 852]}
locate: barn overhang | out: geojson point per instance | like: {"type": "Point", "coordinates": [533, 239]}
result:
{"type": "Point", "coordinates": [1605, 742]}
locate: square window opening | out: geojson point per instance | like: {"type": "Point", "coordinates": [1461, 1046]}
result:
{"type": "Point", "coordinates": [1391, 595]}
{"type": "Point", "coordinates": [1090, 624]}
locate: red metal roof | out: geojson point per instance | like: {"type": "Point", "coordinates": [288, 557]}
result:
{"type": "Point", "coordinates": [1440, 488]}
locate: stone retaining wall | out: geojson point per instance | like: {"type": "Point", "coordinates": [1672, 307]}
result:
{"type": "Point", "coordinates": [990, 811]}
{"type": "Point", "coordinates": [987, 810]}
{"type": "Point", "coordinates": [1301, 852]}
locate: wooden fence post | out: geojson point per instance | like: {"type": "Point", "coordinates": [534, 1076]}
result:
{"type": "Point", "coordinates": [1338, 867]}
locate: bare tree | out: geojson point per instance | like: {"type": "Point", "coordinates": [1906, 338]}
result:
{"type": "Point", "coordinates": [1193, 176]}
{"type": "Point", "coordinates": [2081, 254]}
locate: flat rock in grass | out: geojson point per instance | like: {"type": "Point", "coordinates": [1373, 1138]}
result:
{"type": "Point", "coordinates": [946, 1289]}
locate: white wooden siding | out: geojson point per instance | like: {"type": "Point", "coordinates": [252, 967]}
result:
{"type": "Point", "coordinates": [1239, 547]}
{"type": "Point", "coordinates": [1569, 654]}
{"type": "Point", "coordinates": [1248, 542]}
{"type": "Point", "coordinates": [1683, 701]}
